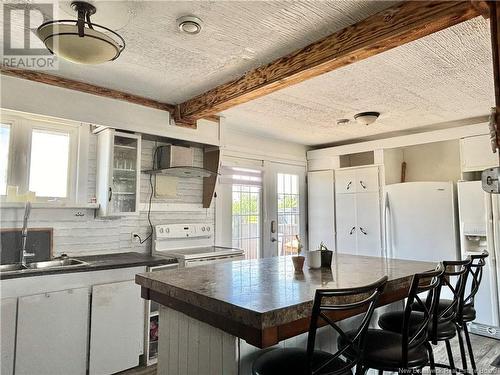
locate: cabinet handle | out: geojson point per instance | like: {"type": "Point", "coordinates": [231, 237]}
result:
{"type": "Point", "coordinates": [110, 194]}
{"type": "Point", "coordinates": [362, 184]}
{"type": "Point", "coordinates": [363, 231]}
{"type": "Point", "coordinates": [349, 185]}
{"type": "Point", "coordinates": [352, 230]}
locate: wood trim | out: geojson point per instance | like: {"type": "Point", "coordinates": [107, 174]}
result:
{"type": "Point", "coordinates": [211, 162]}
{"type": "Point", "coordinates": [482, 7]}
{"type": "Point", "coordinates": [494, 8]}
{"type": "Point", "coordinates": [393, 27]}
{"type": "Point", "coordinates": [87, 88]}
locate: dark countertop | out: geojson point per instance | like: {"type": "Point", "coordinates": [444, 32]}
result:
{"type": "Point", "coordinates": [95, 263]}
{"type": "Point", "coordinates": [267, 293]}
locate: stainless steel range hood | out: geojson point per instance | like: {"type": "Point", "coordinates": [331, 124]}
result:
{"type": "Point", "coordinates": [176, 161]}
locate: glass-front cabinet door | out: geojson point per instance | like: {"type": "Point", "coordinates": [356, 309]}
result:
{"type": "Point", "coordinates": [118, 173]}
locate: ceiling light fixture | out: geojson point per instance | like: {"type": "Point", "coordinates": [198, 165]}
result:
{"type": "Point", "coordinates": [189, 24]}
{"type": "Point", "coordinates": [366, 118]}
{"type": "Point", "coordinates": [81, 41]}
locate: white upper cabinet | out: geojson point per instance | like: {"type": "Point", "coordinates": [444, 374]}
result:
{"type": "Point", "coordinates": [367, 180]}
{"type": "Point", "coordinates": [357, 180]}
{"type": "Point", "coordinates": [118, 173]}
{"type": "Point", "coordinates": [345, 181]}
{"type": "Point", "coordinates": [476, 154]}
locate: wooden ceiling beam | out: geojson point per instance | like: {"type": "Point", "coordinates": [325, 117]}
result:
{"type": "Point", "coordinates": [71, 84]}
{"type": "Point", "coordinates": [390, 28]}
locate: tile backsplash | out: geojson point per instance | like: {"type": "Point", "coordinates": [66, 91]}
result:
{"type": "Point", "coordinates": [77, 232]}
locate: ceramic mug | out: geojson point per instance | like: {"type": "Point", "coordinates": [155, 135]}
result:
{"type": "Point", "coordinates": [314, 259]}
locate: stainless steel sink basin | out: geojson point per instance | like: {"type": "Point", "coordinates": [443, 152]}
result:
{"type": "Point", "coordinates": [11, 267]}
{"type": "Point", "coordinates": [68, 262]}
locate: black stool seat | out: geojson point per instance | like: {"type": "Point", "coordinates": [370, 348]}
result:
{"type": "Point", "coordinates": [293, 361]}
{"type": "Point", "coordinates": [393, 321]}
{"type": "Point", "coordinates": [383, 351]}
{"type": "Point", "coordinates": [468, 312]}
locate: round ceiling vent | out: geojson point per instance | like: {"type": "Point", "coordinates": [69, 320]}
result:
{"type": "Point", "coordinates": [189, 24]}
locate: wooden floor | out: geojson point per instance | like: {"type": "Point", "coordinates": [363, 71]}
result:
{"type": "Point", "coordinates": [485, 350]}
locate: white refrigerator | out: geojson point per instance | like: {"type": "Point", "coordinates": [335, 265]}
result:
{"type": "Point", "coordinates": [479, 214]}
{"type": "Point", "coordinates": [420, 221]}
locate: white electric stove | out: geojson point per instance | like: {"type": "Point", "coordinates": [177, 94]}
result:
{"type": "Point", "coordinates": [191, 244]}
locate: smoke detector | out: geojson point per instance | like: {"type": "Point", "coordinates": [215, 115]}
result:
{"type": "Point", "coordinates": [366, 118]}
{"type": "Point", "coordinates": [343, 121]}
{"type": "Point", "coordinates": [189, 24]}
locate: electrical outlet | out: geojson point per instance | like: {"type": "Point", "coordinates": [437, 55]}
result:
{"type": "Point", "coordinates": [134, 237]}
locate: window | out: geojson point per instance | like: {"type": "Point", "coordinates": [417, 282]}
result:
{"type": "Point", "coordinates": [49, 161]}
{"type": "Point", "coordinates": [38, 156]}
{"type": "Point", "coordinates": [288, 213]}
{"type": "Point", "coordinates": [246, 219]}
{"type": "Point", "coordinates": [4, 156]}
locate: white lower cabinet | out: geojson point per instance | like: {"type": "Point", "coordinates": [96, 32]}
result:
{"type": "Point", "coordinates": [116, 328]}
{"type": "Point", "coordinates": [346, 223]}
{"type": "Point", "coordinates": [368, 220]}
{"type": "Point", "coordinates": [8, 336]}
{"type": "Point", "coordinates": [52, 333]}
{"type": "Point", "coordinates": [358, 223]}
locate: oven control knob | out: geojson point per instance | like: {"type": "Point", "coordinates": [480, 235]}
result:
{"type": "Point", "coordinates": [161, 230]}
{"type": "Point", "coordinates": [208, 229]}
{"type": "Point", "coordinates": [203, 229]}
{"type": "Point", "coordinates": [167, 230]}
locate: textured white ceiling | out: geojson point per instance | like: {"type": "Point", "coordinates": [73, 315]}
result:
{"type": "Point", "coordinates": [440, 78]}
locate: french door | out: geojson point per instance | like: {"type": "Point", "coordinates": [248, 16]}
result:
{"type": "Point", "coordinates": [284, 208]}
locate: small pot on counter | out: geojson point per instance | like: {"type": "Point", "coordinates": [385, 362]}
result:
{"type": "Point", "coordinates": [298, 262]}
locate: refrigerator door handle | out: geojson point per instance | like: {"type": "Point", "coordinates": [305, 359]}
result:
{"type": "Point", "coordinates": [387, 232]}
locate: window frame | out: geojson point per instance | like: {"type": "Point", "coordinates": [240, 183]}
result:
{"type": "Point", "coordinates": [18, 173]}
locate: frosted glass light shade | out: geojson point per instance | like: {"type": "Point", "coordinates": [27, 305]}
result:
{"type": "Point", "coordinates": [95, 47]}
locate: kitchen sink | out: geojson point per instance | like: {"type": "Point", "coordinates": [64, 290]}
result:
{"type": "Point", "coordinates": [45, 265]}
{"type": "Point", "coordinates": [11, 267]}
{"type": "Point", "coordinates": [68, 262]}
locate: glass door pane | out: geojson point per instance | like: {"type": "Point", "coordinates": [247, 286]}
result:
{"type": "Point", "coordinates": [288, 213]}
{"type": "Point", "coordinates": [246, 219]}
{"type": "Point", "coordinates": [124, 174]}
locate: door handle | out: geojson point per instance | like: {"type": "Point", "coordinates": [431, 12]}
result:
{"type": "Point", "coordinates": [362, 184]}
{"type": "Point", "coordinates": [273, 239]}
{"type": "Point", "coordinates": [352, 230]}
{"type": "Point", "coordinates": [362, 231]}
{"type": "Point", "coordinates": [273, 226]}
{"type": "Point", "coordinates": [110, 194]}
{"type": "Point", "coordinates": [349, 185]}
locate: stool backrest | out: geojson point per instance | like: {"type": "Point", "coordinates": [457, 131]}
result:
{"type": "Point", "coordinates": [452, 270]}
{"type": "Point", "coordinates": [325, 302]}
{"type": "Point", "coordinates": [422, 283]}
{"type": "Point", "coordinates": [478, 261]}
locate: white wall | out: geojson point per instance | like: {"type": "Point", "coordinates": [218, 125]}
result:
{"type": "Point", "coordinates": [438, 161]}
{"type": "Point", "coordinates": [37, 98]}
{"type": "Point", "coordinates": [241, 144]}
{"type": "Point", "coordinates": [77, 235]}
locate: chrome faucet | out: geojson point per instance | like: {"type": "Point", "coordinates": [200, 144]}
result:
{"type": "Point", "coordinates": [24, 235]}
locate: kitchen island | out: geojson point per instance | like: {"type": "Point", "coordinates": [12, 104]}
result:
{"type": "Point", "coordinates": [207, 311]}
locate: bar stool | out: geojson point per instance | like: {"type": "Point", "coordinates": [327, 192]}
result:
{"type": "Point", "coordinates": [441, 327]}
{"type": "Point", "coordinates": [297, 361]}
{"type": "Point", "coordinates": [407, 349]}
{"type": "Point", "coordinates": [467, 312]}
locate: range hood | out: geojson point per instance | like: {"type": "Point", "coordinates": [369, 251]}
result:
{"type": "Point", "coordinates": [176, 161]}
